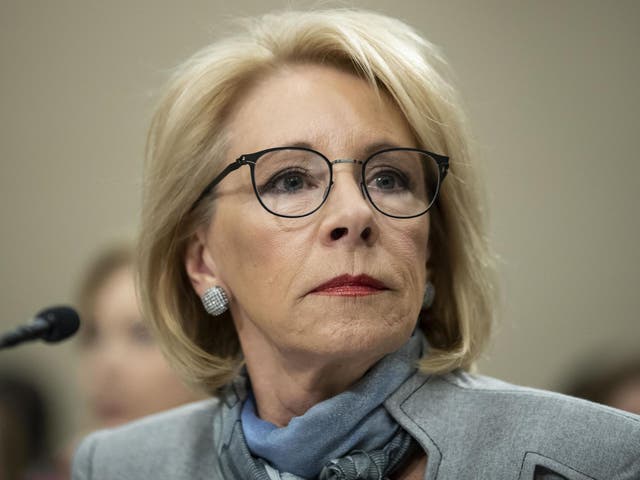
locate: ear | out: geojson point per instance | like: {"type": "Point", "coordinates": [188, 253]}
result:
{"type": "Point", "coordinates": [199, 264]}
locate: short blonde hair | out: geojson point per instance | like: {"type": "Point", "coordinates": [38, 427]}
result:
{"type": "Point", "coordinates": [186, 149]}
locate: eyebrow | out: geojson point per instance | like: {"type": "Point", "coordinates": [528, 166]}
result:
{"type": "Point", "coordinates": [367, 151]}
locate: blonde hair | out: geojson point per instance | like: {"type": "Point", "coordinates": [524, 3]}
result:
{"type": "Point", "coordinates": [186, 149]}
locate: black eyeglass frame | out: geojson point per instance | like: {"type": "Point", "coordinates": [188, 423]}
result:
{"type": "Point", "coordinates": [251, 159]}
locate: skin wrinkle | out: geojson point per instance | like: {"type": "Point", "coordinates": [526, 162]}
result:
{"type": "Point", "coordinates": [299, 348]}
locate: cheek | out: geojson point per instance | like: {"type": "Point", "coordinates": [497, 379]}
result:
{"type": "Point", "coordinates": [256, 255]}
{"type": "Point", "coordinates": [157, 384]}
{"type": "Point", "coordinates": [408, 254]}
{"type": "Point", "coordinates": [408, 246]}
{"type": "Point", "coordinates": [87, 372]}
{"type": "Point", "coordinates": [146, 360]}
{"type": "Point", "coordinates": [420, 241]}
{"type": "Point", "coordinates": [149, 373]}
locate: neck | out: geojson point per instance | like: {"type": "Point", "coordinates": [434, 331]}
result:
{"type": "Point", "coordinates": [287, 384]}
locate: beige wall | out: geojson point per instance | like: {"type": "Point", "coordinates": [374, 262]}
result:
{"type": "Point", "coordinates": [552, 93]}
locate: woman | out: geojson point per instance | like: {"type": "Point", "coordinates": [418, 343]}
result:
{"type": "Point", "coordinates": [122, 371]}
{"type": "Point", "coordinates": [313, 253]}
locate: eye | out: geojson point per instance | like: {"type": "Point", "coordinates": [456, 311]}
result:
{"type": "Point", "coordinates": [291, 182]}
{"type": "Point", "coordinates": [288, 182]}
{"type": "Point", "coordinates": [140, 334]}
{"type": "Point", "coordinates": [387, 180]}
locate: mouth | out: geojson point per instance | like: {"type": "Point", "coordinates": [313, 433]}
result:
{"type": "Point", "coordinates": [351, 286]}
{"type": "Point", "coordinates": [110, 412]}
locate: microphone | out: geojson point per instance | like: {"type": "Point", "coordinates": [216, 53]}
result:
{"type": "Point", "coordinates": [51, 324]}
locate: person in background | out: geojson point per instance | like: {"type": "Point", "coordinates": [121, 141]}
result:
{"type": "Point", "coordinates": [616, 386]}
{"type": "Point", "coordinates": [24, 422]}
{"type": "Point", "coordinates": [123, 373]}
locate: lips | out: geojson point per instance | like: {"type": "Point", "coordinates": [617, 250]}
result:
{"type": "Point", "coordinates": [110, 412]}
{"type": "Point", "coordinates": [351, 286]}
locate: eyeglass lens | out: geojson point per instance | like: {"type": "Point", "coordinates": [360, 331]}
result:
{"type": "Point", "coordinates": [292, 182]}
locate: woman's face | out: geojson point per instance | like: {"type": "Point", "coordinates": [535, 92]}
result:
{"type": "Point", "coordinates": [273, 266]}
{"type": "Point", "coordinates": [122, 370]}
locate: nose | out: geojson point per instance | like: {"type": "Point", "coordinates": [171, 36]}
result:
{"type": "Point", "coordinates": [109, 362]}
{"type": "Point", "coordinates": [348, 216]}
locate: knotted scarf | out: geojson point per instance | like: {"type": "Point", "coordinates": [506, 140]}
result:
{"type": "Point", "coordinates": [350, 436]}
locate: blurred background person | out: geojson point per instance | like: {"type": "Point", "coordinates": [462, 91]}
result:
{"type": "Point", "coordinates": [123, 374]}
{"type": "Point", "coordinates": [615, 385]}
{"type": "Point", "coordinates": [23, 429]}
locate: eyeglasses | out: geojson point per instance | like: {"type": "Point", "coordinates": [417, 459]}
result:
{"type": "Point", "coordinates": [294, 182]}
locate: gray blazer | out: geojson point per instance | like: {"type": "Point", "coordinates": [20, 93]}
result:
{"type": "Point", "coordinates": [471, 427]}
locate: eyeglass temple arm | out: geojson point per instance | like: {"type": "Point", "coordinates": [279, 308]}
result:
{"type": "Point", "coordinates": [228, 169]}
{"type": "Point", "coordinates": [443, 164]}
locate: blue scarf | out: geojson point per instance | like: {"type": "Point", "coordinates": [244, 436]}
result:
{"type": "Point", "coordinates": [352, 421]}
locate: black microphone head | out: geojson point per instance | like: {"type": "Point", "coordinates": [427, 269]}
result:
{"type": "Point", "coordinates": [63, 322]}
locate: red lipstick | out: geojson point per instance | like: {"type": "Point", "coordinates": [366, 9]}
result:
{"type": "Point", "coordinates": [350, 286]}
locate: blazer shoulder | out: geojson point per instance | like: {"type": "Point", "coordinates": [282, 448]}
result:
{"type": "Point", "coordinates": [140, 449]}
{"type": "Point", "coordinates": [485, 421]}
{"type": "Point", "coordinates": [525, 402]}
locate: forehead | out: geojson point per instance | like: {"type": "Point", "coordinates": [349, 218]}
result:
{"type": "Point", "coordinates": [330, 109]}
{"type": "Point", "coordinates": [116, 298]}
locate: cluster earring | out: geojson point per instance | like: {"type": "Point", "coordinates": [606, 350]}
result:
{"type": "Point", "coordinates": [429, 296]}
{"type": "Point", "coordinates": [215, 301]}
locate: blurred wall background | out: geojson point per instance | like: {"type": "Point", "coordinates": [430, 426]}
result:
{"type": "Point", "coordinates": [552, 94]}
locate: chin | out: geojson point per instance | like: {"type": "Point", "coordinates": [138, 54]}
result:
{"type": "Point", "coordinates": [357, 339]}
